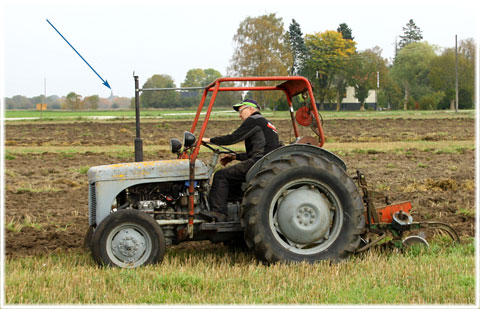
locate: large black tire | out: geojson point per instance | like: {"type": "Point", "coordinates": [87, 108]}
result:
{"type": "Point", "coordinates": [302, 208]}
{"type": "Point", "coordinates": [128, 238]}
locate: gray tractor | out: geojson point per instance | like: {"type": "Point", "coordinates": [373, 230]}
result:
{"type": "Point", "coordinates": [298, 202]}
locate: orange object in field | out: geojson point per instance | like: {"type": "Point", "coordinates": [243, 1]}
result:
{"type": "Point", "coordinates": [385, 214]}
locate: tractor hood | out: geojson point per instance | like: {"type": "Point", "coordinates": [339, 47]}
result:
{"type": "Point", "coordinates": [164, 170]}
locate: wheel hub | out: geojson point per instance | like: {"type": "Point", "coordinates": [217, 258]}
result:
{"type": "Point", "coordinates": [128, 245]}
{"type": "Point", "coordinates": [304, 215]}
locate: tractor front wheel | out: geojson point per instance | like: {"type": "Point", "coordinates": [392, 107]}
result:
{"type": "Point", "coordinates": [302, 208]}
{"type": "Point", "coordinates": [128, 239]}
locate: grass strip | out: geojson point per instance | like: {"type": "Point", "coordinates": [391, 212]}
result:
{"type": "Point", "coordinates": [188, 114]}
{"type": "Point", "coordinates": [437, 275]}
{"type": "Point", "coordinates": [446, 146]}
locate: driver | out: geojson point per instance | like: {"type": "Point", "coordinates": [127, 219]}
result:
{"type": "Point", "coordinates": [260, 138]}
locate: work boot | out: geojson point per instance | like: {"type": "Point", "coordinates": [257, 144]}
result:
{"type": "Point", "coordinates": [217, 216]}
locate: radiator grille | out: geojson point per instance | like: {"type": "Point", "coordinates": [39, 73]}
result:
{"type": "Point", "coordinates": [92, 205]}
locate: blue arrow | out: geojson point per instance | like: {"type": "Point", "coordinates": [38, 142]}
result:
{"type": "Point", "coordinates": [104, 81]}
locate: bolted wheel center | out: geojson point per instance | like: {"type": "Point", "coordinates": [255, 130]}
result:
{"type": "Point", "coordinates": [128, 245]}
{"type": "Point", "coordinates": [304, 215]}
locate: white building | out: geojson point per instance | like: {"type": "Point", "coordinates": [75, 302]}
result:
{"type": "Point", "coordinates": [349, 102]}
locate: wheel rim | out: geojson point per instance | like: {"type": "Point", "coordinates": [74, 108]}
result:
{"type": "Point", "coordinates": [129, 245]}
{"type": "Point", "coordinates": [305, 216]}
{"type": "Point", "coordinates": [415, 240]}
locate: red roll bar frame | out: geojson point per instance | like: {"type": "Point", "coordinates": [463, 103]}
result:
{"type": "Point", "coordinates": [291, 86]}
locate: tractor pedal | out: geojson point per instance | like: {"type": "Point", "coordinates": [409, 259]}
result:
{"type": "Point", "coordinates": [212, 215]}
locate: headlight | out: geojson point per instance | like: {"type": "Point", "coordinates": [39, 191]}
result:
{"type": "Point", "coordinates": [175, 145]}
{"type": "Point", "coordinates": [188, 139]}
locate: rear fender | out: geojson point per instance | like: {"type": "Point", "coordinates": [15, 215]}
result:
{"type": "Point", "coordinates": [286, 151]}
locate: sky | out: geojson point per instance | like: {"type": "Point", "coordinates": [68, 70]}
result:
{"type": "Point", "coordinates": [120, 37]}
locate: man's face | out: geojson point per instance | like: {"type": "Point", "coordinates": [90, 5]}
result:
{"type": "Point", "coordinates": [244, 112]}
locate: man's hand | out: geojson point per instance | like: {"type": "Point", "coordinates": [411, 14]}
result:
{"type": "Point", "coordinates": [227, 159]}
{"type": "Point", "coordinates": [206, 140]}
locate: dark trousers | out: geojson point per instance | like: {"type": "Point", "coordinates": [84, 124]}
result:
{"type": "Point", "coordinates": [227, 184]}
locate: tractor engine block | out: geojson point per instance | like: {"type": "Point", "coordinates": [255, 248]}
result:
{"type": "Point", "coordinates": [163, 201]}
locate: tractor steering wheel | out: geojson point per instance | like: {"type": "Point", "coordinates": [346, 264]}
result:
{"type": "Point", "coordinates": [217, 150]}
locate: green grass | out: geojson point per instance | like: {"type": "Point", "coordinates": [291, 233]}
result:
{"type": "Point", "coordinates": [54, 115]}
{"type": "Point", "coordinates": [438, 275]}
{"type": "Point", "coordinates": [17, 225]}
{"type": "Point", "coordinates": [342, 149]}
{"type": "Point", "coordinates": [83, 169]}
{"type": "Point", "coordinates": [33, 189]}
{"type": "Point", "coordinates": [9, 157]}
{"type": "Point", "coordinates": [188, 114]}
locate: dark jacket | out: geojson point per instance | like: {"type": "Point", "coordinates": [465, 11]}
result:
{"type": "Point", "coordinates": [259, 134]}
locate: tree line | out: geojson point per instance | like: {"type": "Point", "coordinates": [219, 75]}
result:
{"type": "Point", "coordinates": [421, 75]}
{"type": "Point", "coordinates": [72, 101]}
{"type": "Point", "coordinates": [188, 98]}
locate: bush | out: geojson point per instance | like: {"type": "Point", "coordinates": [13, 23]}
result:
{"type": "Point", "coordinates": [465, 99]}
{"type": "Point", "coordinates": [431, 101]}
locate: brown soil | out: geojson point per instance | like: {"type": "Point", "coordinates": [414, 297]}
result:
{"type": "Point", "coordinates": [46, 205]}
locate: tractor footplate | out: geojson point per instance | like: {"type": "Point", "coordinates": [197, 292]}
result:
{"type": "Point", "coordinates": [222, 227]}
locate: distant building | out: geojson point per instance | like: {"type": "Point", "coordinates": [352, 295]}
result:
{"type": "Point", "coordinates": [350, 103]}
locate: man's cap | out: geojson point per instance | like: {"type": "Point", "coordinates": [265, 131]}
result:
{"type": "Point", "coordinates": [247, 102]}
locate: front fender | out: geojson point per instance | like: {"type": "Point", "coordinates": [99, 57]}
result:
{"type": "Point", "coordinates": [169, 170]}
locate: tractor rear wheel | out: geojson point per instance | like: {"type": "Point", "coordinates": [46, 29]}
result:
{"type": "Point", "coordinates": [128, 238]}
{"type": "Point", "coordinates": [302, 208]}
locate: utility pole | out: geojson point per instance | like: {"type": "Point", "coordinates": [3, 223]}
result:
{"type": "Point", "coordinates": [376, 90]}
{"type": "Point", "coordinates": [456, 75]}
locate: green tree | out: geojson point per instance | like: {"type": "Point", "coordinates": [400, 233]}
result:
{"type": "Point", "coordinates": [345, 31]}
{"type": "Point", "coordinates": [202, 78]}
{"type": "Point", "coordinates": [342, 78]}
{"type": "Point", "coordinates": [194, 78]}
{"type": "Point", "coordinates": [442, 74]}
{"type": "Point", "coordinates": [467, 50]}
{"type": "Point", "coordinates": [159, 99]}
{"type": "Point", "coordinates": [328, 53]}
{"type": "Point", "coordinates": [411, 67]}
{"type": "Point", "coordinates": [365, 66]}
{"type": "Point", "coordinates": [91, 102]}
{"type": "Point", "coordinates": [364, 75]}
{"type": "Point", "coordinates": [261, 49]}
{"type": "Point", "coordinates": [38, 99]}
{"type": "Point", "coordinates": [297, 46]}
{"type": "Point", "coordinates": [389, 95]}
{"type": "Point", "coordinates": [411, 34]}
{"type": "Point", "coordinates": [19, 102]}
{"type": "Point", "coordinates": [211, 75]}
{"type": "Point", "coordinates": [73, 101]}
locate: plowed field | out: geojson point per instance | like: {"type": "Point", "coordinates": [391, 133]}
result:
{"type": "Point", "coordinates": [46, 205]}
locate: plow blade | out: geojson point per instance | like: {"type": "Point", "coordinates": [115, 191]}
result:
{"type": "Point", "coordinates": [443, 227]}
